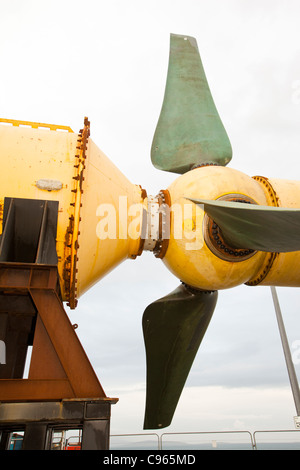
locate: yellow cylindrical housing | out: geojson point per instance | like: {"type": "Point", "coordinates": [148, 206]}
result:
{"type": "Point", "coordinates": [188, 257]}
{"type": "Point", "coordinates": [102, 216]}
{"type": "Point", "coordinates": [49, 162]}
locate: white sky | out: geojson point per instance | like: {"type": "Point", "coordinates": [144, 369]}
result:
{"type": "Point", "coordinates": [63, 60]}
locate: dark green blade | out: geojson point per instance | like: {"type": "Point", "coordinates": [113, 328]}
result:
{"type": "Point", "coordinates": [263, 228]}
{"type": "Point", "coordinates": [173, 330]}
{"type": "Point", "coordinates": [189, 130]}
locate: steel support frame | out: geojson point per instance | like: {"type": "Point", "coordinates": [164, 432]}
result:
{"type": "Point", "coordinates": [62, 387]}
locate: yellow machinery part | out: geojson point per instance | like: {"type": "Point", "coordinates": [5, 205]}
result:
{"type": "Point", "coordinates": [188, 257]}
{"type": "Point", "coordinates": [31, 153]}
{"type": "Point", "coordinates": [50, 162]}
{"type": "Point", "coordinates": [279, 269]}
{"type": "Point", "coordinates": [101, 215]}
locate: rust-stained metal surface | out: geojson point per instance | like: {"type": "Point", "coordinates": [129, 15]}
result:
{"type": "Point", "coordinates": [72, 233]}
{"type": "Point", "coordinates": [17, 320]}
{"type": "Point", "coordinates": [59, 367]}
{"type": "Point", "coordinates": [272, 199]}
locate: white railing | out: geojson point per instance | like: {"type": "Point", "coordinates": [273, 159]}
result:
{"type": "Point", "coordinates": [232, 440]}
{"type": "Point", "coordinates": [285, 439]}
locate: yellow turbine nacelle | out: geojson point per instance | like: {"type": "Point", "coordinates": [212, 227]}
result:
{"type": "Point", "coordinates": [200, 260]}
{"type": "Point", "coordinates": [104, 219]}
{"type": "Point", "coordinates": [47, 162]}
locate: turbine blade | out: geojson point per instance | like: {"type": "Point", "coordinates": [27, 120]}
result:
{"type": "Point", "coordinates": [189, 131]}
{"type": "Point", "coordinates": [173, 329]}
{"type": "Point", "coordinates": [263, 228]}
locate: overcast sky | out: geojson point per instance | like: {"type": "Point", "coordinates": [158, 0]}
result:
{"type": "Point", "coordinates": [63, 60]}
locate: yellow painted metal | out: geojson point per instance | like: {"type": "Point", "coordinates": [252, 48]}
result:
{"type": "Point", "coordinates": [31, 152]}
{"type": "Point", "coordinates": [280, 269]}
{"type": "Point", "coordinates": [35, 125]}
{"type": "Point", "coordinates": [107, 236]}
{"type": "Point", "coordinates": [188, 256]}
{"type": "Point", "coordinates": [100, 210]}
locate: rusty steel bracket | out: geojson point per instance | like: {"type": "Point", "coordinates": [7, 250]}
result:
{"type": "Point", "coordinates": [59, 367]}
{"type": "Point", "coordinates": [32, 313]}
